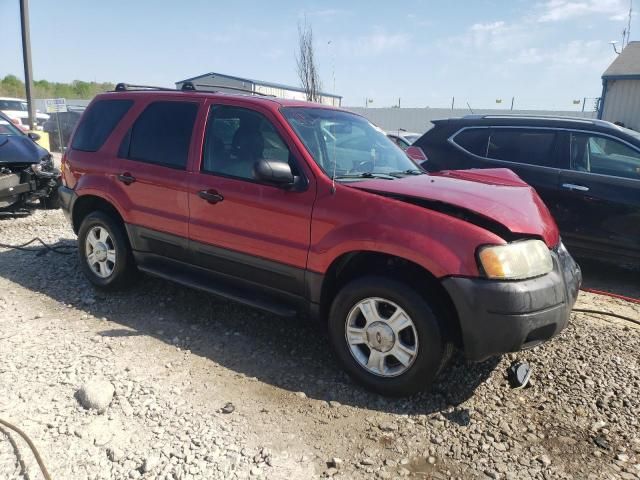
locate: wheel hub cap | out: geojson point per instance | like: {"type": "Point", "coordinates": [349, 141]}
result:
{"type": "Point", "coordinates": [100, 252]}
{"type": "Point", "coordinates": [380, 337]}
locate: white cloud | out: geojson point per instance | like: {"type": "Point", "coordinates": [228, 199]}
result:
{"type": "Point", "coordinates": [558, 10]}
{"type": "Point", "coordinates": [376, 43]}
{"type": "Point", "coordinates": [568, 55]}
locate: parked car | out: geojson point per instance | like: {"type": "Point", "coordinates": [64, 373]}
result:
{"type": "Point", "coordinates": [586, 171]}
{"type": "Point", "coordinates": [17, 108]}
{"type": "Point", "coordinates": [27, 172]}
{"type": "Point", "coordinates": [67, 122]}
{"type": "Point", "coordinates": [251, 199]}
{"type": "Point", "coordinates": [402, 138]}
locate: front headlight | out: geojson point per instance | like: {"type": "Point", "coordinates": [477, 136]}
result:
{"type": "Point", "coordinates": [516, 261]}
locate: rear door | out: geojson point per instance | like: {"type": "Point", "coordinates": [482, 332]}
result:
{"type": "Point", "coordinates": [151, 179]}
{"type": "Point", "coordinates": [532, 153]}
{"type": "Point", "coordinates": [600, 194]}
{"type": "Point", "coordinates": [238, 226]}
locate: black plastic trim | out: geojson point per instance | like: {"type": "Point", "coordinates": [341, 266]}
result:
{"type": "Point", "coordinates": [505, 316]}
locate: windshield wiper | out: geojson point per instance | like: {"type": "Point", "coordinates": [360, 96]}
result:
{"type": "Point", "coordinates": [411, 171]}
{"type": "Point", "coordinates": [366, 175]}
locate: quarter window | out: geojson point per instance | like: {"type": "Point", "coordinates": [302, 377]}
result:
{"type": "Point", "coordinates": [532, 147]}
{"type": "Point", "coordinates": [474, 140]}
{"type": "Point", "coordinates": [162, 134]}
{"type": "Point", "coordinates": [603, 155]}
{"type": "Point", "coordinates": [236, 138]}
{"type": "Point", "coordinates": [97, 124]}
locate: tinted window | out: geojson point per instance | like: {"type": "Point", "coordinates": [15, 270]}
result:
{"type": "Point", "coordinates": [533, 147]}
{"type": "Point", "coordinates": [98, 123]}
{"type": "Point", "coordinates": [603, 155]}
{"type": "Point", "coordinates": [162, 134]}
{"type": "Point", "coordinates": [236, 138]}
{"type": "Point", "coordinates": [474, 140]}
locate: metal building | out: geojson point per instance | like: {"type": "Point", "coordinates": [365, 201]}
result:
{"type": "Point", "coordinates": [620, 100]}
{"type": "Point", "coordinates": [269, 88]}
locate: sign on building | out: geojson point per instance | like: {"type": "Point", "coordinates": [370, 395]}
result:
{"type": "Point", "coordinates": [55, 105]}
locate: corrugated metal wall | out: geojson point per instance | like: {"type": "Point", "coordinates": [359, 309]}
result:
{"type": "Point", "coordinates": [419, 119]}
{"type": "Point", "coordinates": [622, 103]}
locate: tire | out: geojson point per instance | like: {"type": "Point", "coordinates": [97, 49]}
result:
{"type": "Point", "coordinates": [118, 267]}
{"type": "Point", "coordinates": [52, 202]}
{"type": "Point", "coordinates": [423, 335]}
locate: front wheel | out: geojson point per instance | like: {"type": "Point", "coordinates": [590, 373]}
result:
{"type": "Point", "coordinates": [387, 336]}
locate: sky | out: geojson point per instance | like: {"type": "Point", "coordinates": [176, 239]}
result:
{"type": "Point", "coordinates": [544, 53]}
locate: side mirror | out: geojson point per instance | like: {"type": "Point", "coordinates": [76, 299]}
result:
{"type": "Point", "coordinates": [33, 136]}
{"type": "Point", "coordinates": [274, 172]}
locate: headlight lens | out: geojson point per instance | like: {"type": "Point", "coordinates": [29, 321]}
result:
{"type": "Point", "coordinates": [516, 261]}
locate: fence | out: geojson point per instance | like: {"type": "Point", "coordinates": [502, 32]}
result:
{"type": "Point", "coordinates": [419, 119]}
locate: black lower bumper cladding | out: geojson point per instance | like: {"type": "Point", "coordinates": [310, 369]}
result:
{"type": "Point", "coordinates": [506, 316]}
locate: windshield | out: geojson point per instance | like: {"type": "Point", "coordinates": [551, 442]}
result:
{"type": "Point", "coordinates": [8, 128]}
{"type": "Point", "coordinates": [347, 144]}
{"type": "Point", "coordinates": [13, 105]}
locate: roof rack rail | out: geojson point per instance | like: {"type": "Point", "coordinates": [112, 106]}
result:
{"type": "Point", "coordinates": [190, 86]}
{"type": "Point", "coordinates": [123, 87]}
{"type": "Point", "coordinates": [534, 116]}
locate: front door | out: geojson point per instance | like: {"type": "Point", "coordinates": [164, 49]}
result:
{"type": "Point", "coordinates": [600, 188]}
{"type": "Point", "coordinates": [238, 226]}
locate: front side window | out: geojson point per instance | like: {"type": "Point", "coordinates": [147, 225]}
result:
{"type": "Point", "coordinates": [347, 144]}
{"type": "Point", "coordinates": [236, 138]}
{"type": "Point", "coordinates": [532, 147]}
{"type": "Point", "coordinates": [603, 155]}
{"type": "Point", "coordinates": [162, 134]}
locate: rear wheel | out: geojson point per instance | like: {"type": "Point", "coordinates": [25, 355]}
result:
{"type": "Point", "coordinates": [104, 252]}
{"type": "Point", "coordinates": [387, 336]}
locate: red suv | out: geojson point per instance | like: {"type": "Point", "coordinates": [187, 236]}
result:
{"type": "Point", "coordinates": [298, 208]}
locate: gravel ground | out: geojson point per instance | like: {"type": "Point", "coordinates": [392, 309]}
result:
{"type": "Point", "coordinates": [203, 388]}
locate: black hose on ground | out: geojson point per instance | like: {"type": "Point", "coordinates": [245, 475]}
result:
{"type": "Point", "coordinates": [33, 448]}
{"type": "Point", "coordinates": [62, 249]}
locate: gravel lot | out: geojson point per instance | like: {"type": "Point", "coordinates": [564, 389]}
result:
{"type": "Point", "coordinates": [209, 389]}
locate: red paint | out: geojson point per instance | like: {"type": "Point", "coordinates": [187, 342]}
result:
{"type": "Point", "coordinates": [313, 228]}
{"type": "Point", "coordinates": [416, 154]}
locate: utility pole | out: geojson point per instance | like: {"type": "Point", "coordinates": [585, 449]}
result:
{"type": "Point", "coordinates": [453, 102]}
{"type": "Point", "coordinates": [513, 99]}
{"type": "Point", "coordinates": [26, 55]}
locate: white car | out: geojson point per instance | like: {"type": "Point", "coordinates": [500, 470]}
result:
{"type": "Point", "coordinates": [17, 109]}
{"type": "Point", "coordinates": [402, 138]}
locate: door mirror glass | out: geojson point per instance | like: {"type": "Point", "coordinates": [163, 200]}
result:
{"type": "Point", "coordinates": [33, 136]}
{"type": "Point", "coordinates": [274, 172]}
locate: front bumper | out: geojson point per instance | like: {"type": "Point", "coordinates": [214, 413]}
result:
{"type": "Point", "coordinates": [506, 316]}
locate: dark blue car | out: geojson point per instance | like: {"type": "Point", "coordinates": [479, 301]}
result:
{"type": "Point", "coordinates": [27, 172]}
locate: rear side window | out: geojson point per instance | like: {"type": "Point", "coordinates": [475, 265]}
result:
{"type": "Point", "coordinates": [473, 140]}
{"type": "Point", "coordinates": [98, 123]}
{"type": "Point", "coordinates": [532, 147]}
{"type": "Point", "coordinates": [162, 134]}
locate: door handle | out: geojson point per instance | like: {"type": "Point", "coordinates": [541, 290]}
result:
{"type": "Point", "coordinates": [579, 188]}
{"type": "Point", "coordinates": [210, 196]}
{"type": "Point", "coordinates": [126, 178]}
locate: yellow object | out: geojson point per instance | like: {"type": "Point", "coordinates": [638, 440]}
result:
{"type": "Point", "coordinates": [44, 139]}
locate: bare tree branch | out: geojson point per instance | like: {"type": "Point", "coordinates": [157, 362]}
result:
{"type": "Point", "coordinates": [306, 63]}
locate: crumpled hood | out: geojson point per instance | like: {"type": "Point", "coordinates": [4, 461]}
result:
{"type": "Point", "coordinates": [498, 195]}
{"type": "Point", "coordinates": [20, 149]}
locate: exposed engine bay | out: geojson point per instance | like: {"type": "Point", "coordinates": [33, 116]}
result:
{"type": "Point", "coordinates": [22, 184]}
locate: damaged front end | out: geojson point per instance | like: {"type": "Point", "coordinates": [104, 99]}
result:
{"type": "Point", "coordinates": [21, 184]}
